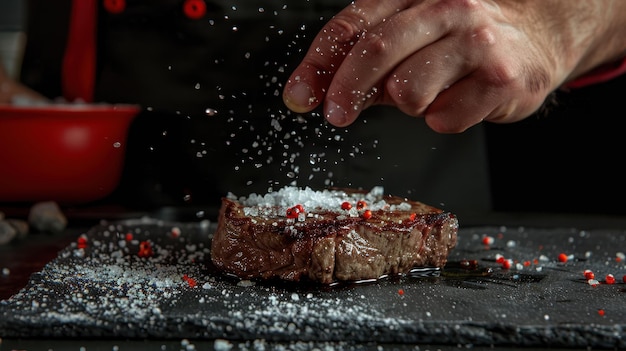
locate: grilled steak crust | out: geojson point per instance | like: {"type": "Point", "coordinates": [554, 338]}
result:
{"type": "Point", "coordinates": [326, 243]}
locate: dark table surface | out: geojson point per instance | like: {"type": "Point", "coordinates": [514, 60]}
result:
{"type": "Point", "coordinates": [539, 302]}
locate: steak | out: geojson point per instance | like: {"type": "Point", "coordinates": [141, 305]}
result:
{"type": "Point", "coordinates": [329, 235]}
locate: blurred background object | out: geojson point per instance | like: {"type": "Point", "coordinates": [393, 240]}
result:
{"type": "Point", "coordinates": [12, 36]}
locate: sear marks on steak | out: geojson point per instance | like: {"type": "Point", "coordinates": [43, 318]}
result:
{"type": "Point", "coordinates": [255, 238]}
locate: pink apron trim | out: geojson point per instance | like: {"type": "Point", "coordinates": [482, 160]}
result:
{"type": "Point", "coordinates": [599, 75]}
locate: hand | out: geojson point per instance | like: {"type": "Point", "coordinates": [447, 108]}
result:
{"type": "Point", "coordinates": [453, 62]}
{"type": "Point", "coordinates": [12, 91]}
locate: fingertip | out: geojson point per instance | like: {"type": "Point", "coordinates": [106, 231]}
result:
{"type": "Point", "coordinates": [443, 125]}
{"type": "Point", "coordinates": [337, 115]}
{"type": "Point", "coordinates": [299, 97]}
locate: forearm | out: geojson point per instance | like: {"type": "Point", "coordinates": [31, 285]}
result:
{"type": "Point", "coordinates": [608, 44]}
{"type": "Point", "coordinates": [583, 35]}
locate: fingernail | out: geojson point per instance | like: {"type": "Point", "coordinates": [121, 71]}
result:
{"type": "Point", "coordinates": [335, 114]}
{"type": "Point", "coordinates": [300, 97]}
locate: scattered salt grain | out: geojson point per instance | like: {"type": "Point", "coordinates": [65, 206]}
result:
{"type": "Point", "coordinates": [245, 283]}
{"type": "Point", "coordinates": [222, 345]}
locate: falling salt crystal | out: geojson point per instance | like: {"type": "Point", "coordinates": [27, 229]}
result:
{"type": "Point", "coordinates": [117, 144]}
{"type": "Point", "coordinates": [222, 345]}
{"type": "Point", "coordinates": [246, 283]}
{"type": "Point", "coordinates": [546, 317]}
{"type": "Point", "coordinates": [197, 86]}
{"type": "Point", "coordinates": [6, 271]}
{"type": "Point", "coordinates": [210, 112]}
{"type": "Point", "coordinates": [295, 297]}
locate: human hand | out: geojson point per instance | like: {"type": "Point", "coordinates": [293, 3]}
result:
{"type": "Point", "coordinates": [12, 92]}
{"type": "Point", "coordinates": [453, 62]}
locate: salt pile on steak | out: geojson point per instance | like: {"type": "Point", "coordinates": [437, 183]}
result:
{"type": "Point", "coordinates": [329, 235]}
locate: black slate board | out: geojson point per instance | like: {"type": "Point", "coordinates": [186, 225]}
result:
{"type": "Point", "coordinates": [107, 291]}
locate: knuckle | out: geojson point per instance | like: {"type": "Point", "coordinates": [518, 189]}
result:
{"type": "Point", "coordinates": [483, 36]}
{"type": "Point", "coordinates": [406, 97]}
{"type": "Point", "coordinates": [467, 5]}
{"type": "Point", "coordinates": [501, 76]}
{"type": "Point", "coordinates": [461, 6]}
{"type": "Point", "coordinates": [374, 44]}
{"type": "Point", "coordinates": [344, 27]}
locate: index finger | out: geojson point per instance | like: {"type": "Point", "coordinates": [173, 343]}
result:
{"type": "Point", "coordinates": [308, 84]}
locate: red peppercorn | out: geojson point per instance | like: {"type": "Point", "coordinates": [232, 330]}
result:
{"type": "Point", "coordinates": [400, 292]}
{"type": "Point", "coordinates": [412, 216]}
{"type": "Point", "coordinates": [129, 236]}
{"type": "Point", "coordinates": [82, 242]}
{"type": "Point", "coordinates": [361, 204]}
{"type": "Point", "coordinates": [367, 214]}
{"type": "Point", "coordinates": [115, 6]}
{"type": "Point", "coordinates": [346, 206]}
{"type": "Point", "coordinates": [609, 279]}
{"type": "Point", "coordinates": [601, 312]}
{"type": "Point", "coordinates": [293, 212]}
{"type": "Point", "coordinates": [190, 281]}
{"type": "Point", "coordinates": [194, 9]}
{"type": "Point", "coordinates": [589, 274]}
{"type": "Point", "coordinates": [487, 240]}
{"type": "Point", "coordinates": [145, 249]}
{"type": "Point", "coordinates": [562, 257]}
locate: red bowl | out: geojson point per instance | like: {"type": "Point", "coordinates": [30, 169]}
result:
{"type": "Point", "coordinates": [70, 154]}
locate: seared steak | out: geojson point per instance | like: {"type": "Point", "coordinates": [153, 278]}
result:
{"type": "Point", "coordinates": [329, 235]}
